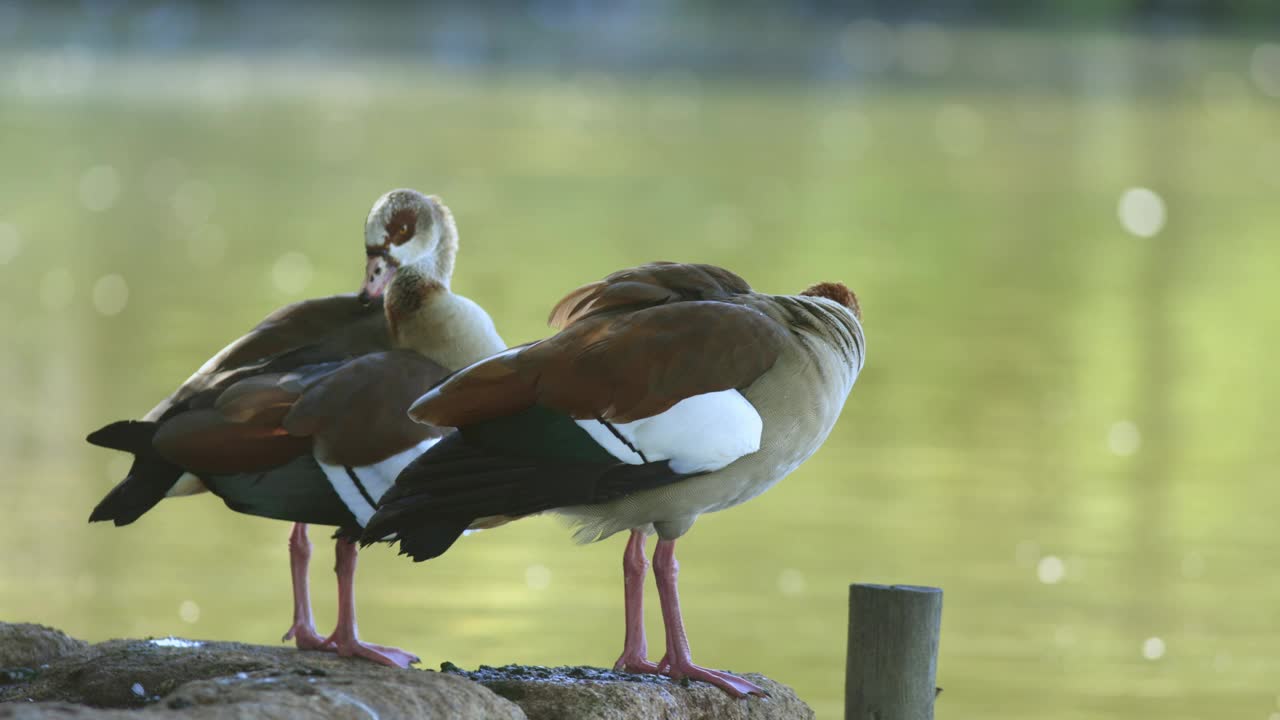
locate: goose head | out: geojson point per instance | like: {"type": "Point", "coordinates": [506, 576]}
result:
{"type": "Point", "coordinates": [837, 292]}
{"type": "Point", "coordinates": [408, 232]}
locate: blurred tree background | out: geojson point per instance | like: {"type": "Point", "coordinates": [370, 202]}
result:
{"type": "Point", "coordinates": [1061, 218]}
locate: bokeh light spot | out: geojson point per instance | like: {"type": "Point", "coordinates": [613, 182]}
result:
{"type": "Point", "coordinates": [537, 577]}
{"type": "Point", "coordinates": [1051, 570]}
{"type": "Point", "coordinates": [110, 294]}
{"type": "Point", "coordinates": [291, 273]}
{"type": "Point", "coordinates": [1141, 212]}
{"type": "Point", "coordinates": [10, 243]}
{"type": "Point", "coordinates": [791, 582]}
{"type": "Point", "coordinates": [99, 188]}
{"type": "Point", "coordinates": [1153, 648]}
{"type": "Point", "coordinates": [1124, 439]}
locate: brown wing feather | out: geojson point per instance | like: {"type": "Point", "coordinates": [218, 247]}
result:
{"type": "Point", "coordinates": [227, 418]}
{"type": "Point", "coordinates": [490, 388]}
{"type": "Point", "coordinates": [358, 414]}
{"type": "Point", "coordinates": [646, 286]}
{"type": "Point", "coordinates": [354, 413]}
{"type": "Point", "coordinates": [205, 441]}
{"type": "Point", "coordinates": [571, 305]}
{"type": "Point", "coordinates": [328, 329]}
{"type": "Point", "coordinates": [251, 397]}
{"type": "Point", "coordinates": [243, 430]}
{"type": "Point", "coordinates": [338, 324]}
{"type": "Point", "coordinates": [636, 365]}
{"type": "Point", "coordinates": [667, 333]}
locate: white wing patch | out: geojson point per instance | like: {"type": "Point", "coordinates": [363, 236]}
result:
{"type": "Point", "coordinates": [188, 484]}
{"type": "Point", "coordinates": [698, 434]}
{"type": "Point", "coordinates": [374, 480]}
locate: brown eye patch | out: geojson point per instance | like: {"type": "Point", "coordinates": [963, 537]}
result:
{"type": "Point", "coordinates": [401, 226]}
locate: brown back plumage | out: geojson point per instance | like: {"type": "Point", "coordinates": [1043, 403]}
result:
{"type": "Point", "coordinates": [646, 286]}
{"type": "Point", "coordinates": [632, 345]}
{"type": "Point", "coordinates": [319, 374]}
{"type": "Point", "coordinates": [325, 329]}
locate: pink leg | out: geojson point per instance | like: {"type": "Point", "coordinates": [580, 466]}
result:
{"type": "Point", "coordinates": [678, 662]}
{"type": "Point", "coordinates": [345, 638]}
{"type": "Point", "coordinates": [303, 631]}
{"type": "Point", "coordinates": [635, 649]}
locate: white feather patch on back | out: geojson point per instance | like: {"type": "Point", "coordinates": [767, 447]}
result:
{"type": "Point", "coordinates": [376, 479]}
{"type": "Point", "coordinates": [379, 477]}
{"type": "Point", "coordinates": [698, 434]}
{"type": "Point", "coordinates": [188, 484]}
{"type": "Point", "coordinates": [348, 491]}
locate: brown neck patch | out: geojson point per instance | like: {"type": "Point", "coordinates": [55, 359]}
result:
{"type": "Point", "coordinates": [406, 295]}
{"type": "Point", "coordinates": [838, 292]}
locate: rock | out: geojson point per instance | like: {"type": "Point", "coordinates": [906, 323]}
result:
{"type": "Point", "coordinates": [220, 681]}
{"type": "Point", "coordinates": [197, 680]}
{"type": "Point", "coordinates": [587, 693]}
{"type": "Point", "coordinates": [23, 645]}
{"type": "Point", "coordinates": [61, 711]}
{"type": "Point", "coordinates": [384, 693]}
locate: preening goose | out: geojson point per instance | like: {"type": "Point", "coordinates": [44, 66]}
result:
{"type": "Point", "coordinates": [304, 418]}
{"type": "Point", "coordinates": [670, 391]}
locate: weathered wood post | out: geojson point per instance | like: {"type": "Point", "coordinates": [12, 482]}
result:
{"type": "Point", "coordinates": [892, 662]}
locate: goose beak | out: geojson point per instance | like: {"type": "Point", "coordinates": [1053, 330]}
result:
{"type": "Point", "coordinates": [377, 276]}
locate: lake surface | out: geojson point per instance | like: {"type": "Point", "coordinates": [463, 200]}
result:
{"type": "Point", "coordinates": [1070, 302]}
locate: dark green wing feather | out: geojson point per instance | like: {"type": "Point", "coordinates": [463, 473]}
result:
{"type": "Point", "coordinates": [537, 432]}
{"type": "Point", "coordinates": [297, 491]}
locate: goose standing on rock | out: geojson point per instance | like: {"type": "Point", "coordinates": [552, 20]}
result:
{"type": "Point", "coordinates": [670, 391]}
{"type": "Point", "coordinates": [304, 418]}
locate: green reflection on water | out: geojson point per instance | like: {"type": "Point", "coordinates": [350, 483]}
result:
{"type": "Point", "coordinates": [1060, 424]}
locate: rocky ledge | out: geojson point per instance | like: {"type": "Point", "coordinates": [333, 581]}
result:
{"type": "Point", "coordinates": [46, 674]}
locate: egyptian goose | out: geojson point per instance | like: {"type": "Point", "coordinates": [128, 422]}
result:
{"type": "Point", "coordinates": [303, 419]}
{"type": "Point", "coordinates": [670, 391]}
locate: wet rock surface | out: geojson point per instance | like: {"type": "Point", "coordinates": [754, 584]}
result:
{"type": "Point", "coordinates": [215, 680]}
{"type": "Point", "coordinates": [46, 674]}
{"type": "Point", "coordinates": [589, 693]}
{"type": "Point", "coordinates": [23, 645]}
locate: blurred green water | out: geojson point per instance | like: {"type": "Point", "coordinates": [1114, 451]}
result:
{"type": "Point", "coordinates": [1062, 424]}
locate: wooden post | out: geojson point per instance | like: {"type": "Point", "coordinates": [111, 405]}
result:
{"type": "Point", "coordinates": [892, 662]}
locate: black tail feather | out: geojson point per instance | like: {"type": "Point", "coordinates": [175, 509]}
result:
{"type": "Point", "coordinates": [127, 435]}
{"type": "Point", "coordinates": [438, 495]}
{"type": "Point", "coordinates": [150, 477]}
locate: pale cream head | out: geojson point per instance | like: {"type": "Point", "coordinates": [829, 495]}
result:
{"type": "Point", "coordinates": [405, 228]}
